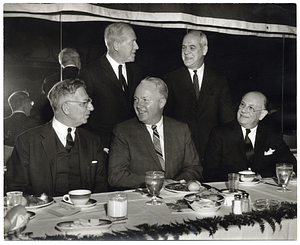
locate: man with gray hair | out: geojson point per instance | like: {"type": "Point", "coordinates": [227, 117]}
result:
{"type": "Point", "coordinates": [151, 142]}
{"type": "Point", "coordinates": [59, 156]}
{"type": "Point", "coordinates": [19, 121]}
{"type": "Point", "coordinates": [112, 79]}
{"type": "Point", "coordinates": [198, 96]}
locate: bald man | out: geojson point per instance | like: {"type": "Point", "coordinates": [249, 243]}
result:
{"type": "Point", "coordinates": [227, 150]}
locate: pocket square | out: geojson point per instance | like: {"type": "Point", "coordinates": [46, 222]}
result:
{"type": "Point", "coordinates": [94, 162]}
{"type": "Point", "coordinates": [269, 152]}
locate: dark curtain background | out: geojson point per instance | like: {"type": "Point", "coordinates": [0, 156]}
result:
{"type": "Point", "coordinates": [31, 47]}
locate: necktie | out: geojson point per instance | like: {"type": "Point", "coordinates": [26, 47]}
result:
{"type": "Point", "coordinates": [70, 142]}
{"type": "Point", "coordinates": [156, 142]}
{"type": "Point", "coordinates": [122, 80]}
{"type": "Point", "coordinates": [248, 147]}
{"type": "Point", "coordinates": [196, 84]}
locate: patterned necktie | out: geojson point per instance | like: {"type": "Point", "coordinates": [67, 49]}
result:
{"type": "Point", "coordinates": [248, 147]}
{"type": "Point", "coordinates": [122, 80]}
{"type": "Point", "coordinates": [196, 84]}
{"type": "Point", "coordinates": [156, 142]}
{"type": "Point", "coordinates": [70, 141]}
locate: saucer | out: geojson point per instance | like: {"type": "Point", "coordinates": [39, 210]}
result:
{"type": "Point", "coordinates": [90, 203]}
{"type": "Point", "coordinates": [254, 182]}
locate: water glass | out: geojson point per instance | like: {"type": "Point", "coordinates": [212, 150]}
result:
{"type": "Point", "coordinates": [233, 182]}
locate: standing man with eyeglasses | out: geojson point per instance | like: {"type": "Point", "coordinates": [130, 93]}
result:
{"type": "Point", "coordinates": [111, 81]}
{"type": "Point", "coordinates": [19, 121]}
{"type": "Point", "coordinates": [198, 96]}
{"type": "Point", "coordinates": [58, 156]}
{"type": "Point", "coordinates": [246, 143]}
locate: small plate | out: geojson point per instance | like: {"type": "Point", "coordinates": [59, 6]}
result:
{"type": "Point", "coordinates": [90, 203]}
{"type": "Point", "coordinates": [182, 188]}
{"type": "Point", "coordinates": [50, 201]}
{"type": "Point", "coordinates": [82, 225]}
{"type": "Point", "coordinates": [226, 192]}
{"type": "Point", "coordinates": [254, 182]}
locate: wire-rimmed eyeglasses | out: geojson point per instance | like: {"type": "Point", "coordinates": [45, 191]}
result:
{"type": "Point", "coordinates": [82, 103]}
{"type": "Point", "coordinates": [242, 105]}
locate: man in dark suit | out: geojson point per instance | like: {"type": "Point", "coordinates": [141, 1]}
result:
{"type": "Point", "coordinates": [69, 60]}
{"type": "Point", "coordinates": [58, 156]}
{"type": "Point", "coordinates": [112, 91]}
{"type": "Point", "coordinates": [246, 143]}
{"type": "Point", "coordinates": [197, 96]}
{"type": "Point", "coordinates": [19, 121]}
{"type": "Point", "coordinates": [151, 142]}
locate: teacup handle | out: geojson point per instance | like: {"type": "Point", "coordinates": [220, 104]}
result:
{"type": "Point", "coordinates": [67, 199]}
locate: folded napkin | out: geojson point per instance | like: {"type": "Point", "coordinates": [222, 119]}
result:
{"type": "Point", "coordinates": [62, 209]}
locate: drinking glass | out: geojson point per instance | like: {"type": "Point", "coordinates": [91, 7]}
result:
{"type": "Point", "coordinates": [154, 182]}
{"type": "Point", "coordinates": [284, 172]}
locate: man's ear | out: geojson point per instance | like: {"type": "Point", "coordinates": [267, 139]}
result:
{"type": "Point", "coordinates": [205, 49]}
{"type": "Point", "coordinates": [116, 45]}
{"type": "Point", "coordinates": [162, 102]}
{"type": "Point", "coordinates": [263, 114]}
{"type": "Point", "coordinates": [65, 108]}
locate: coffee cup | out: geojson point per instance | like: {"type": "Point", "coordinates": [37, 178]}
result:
{"type": "Point", "coordinates": [247, 176]}
{"type": "Point", "coordinates": [77, 197]}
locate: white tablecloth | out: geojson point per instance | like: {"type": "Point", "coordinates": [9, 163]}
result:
{"type": "Point", "coordinates": [139, 213]}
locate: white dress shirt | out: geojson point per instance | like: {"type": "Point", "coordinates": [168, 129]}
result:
{"type": "Point", "coordinates": [251, 135]}
{"type": "Point", "coordinates": [62, 130]}
{"type": "Point", "coordinates": [200, 72]}
{"type": "Point", "coordinates": [160, 130]}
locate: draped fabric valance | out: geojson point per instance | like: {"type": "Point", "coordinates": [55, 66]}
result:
{"type": "Point", "coordinates": [265, 20]}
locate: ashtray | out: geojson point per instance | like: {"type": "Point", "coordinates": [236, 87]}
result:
{"type": "Point", "coordinates": [263, 204]}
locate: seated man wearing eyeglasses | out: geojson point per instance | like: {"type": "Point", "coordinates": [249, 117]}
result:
{"type": "Point", "coordinates": [58, 156]}
{"type": "Point", "coordinates": [19, 121]}
{"type": "Point", "coordinates": [246, 143]}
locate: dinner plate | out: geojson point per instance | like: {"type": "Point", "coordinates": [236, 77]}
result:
{"type": "Point", "coordinates": [84, 225]}
{"type": "Point", "coordinates": [90, 203]}
{"type": "Point", "coordinates": [182, 188]}
{"type": "Point", "coordinates": [207, 196]}
{"type": "Point", "coordinates": [50, 201]}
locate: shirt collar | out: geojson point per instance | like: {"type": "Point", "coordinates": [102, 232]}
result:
{"type": "Point", "coordinates": [115, 65]}
{"type": "Point", "coordinates": [61, 129]}
{"type": "Point", "coordinates": [199, 70]}
{"type": "Point", "coordinates": [159, 124]}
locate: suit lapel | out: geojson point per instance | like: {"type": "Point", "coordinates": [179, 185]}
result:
{"type": "Point", "coordinates": [206, 88]}
{"type": "Point", "coordinates": [83, 156]}
{"type": "Point", "coordinates": [239, 139]}
{"type": "Point", "coordinates": [110, 72]}
{"type": "Point", "coordinates": [168, 139]}
{"type": "Point", "coordinates": [187, 83]}
{"type": "Point", "coordinates": [48, 143]}
{"type": "Point", "coordinates": [144, 134]}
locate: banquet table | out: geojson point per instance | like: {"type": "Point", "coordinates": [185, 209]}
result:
{"type": "Point", "coordinates": [139, 213]}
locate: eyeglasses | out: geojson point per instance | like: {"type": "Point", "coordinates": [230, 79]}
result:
{"type": "Point", "coordinates": [242, 105]}
{"type": "Point", "coordinates": [83, 103]}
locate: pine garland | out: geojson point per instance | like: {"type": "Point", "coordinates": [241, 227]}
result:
{"type": "Point", "coordinates": [175, 230]}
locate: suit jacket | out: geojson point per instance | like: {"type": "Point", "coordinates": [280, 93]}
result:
{"type": "Point", "coordinates": [32, 166]}
{"type": "Point", "coordinates": [132, 153]}
{"type": "Point", "coordinates": [16, 124]}
{"type": "Point", "coordinates": [213, 107]}
{"type": "Point", "coordinates": [67, 72]}
{"type": "Point", "coordinates": [225, 152]}
{"type": "Point", "coordinates": [110, 103]}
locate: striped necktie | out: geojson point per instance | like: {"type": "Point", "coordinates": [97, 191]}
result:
{"type": "Point", "coordinates": [196, 84]}
{"type": "Point", "coordinates": [70, 141]}
{"type": "Point", "coordinates": [156, 142]}
{"type": "Point", "coordinates": [248, 147]}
